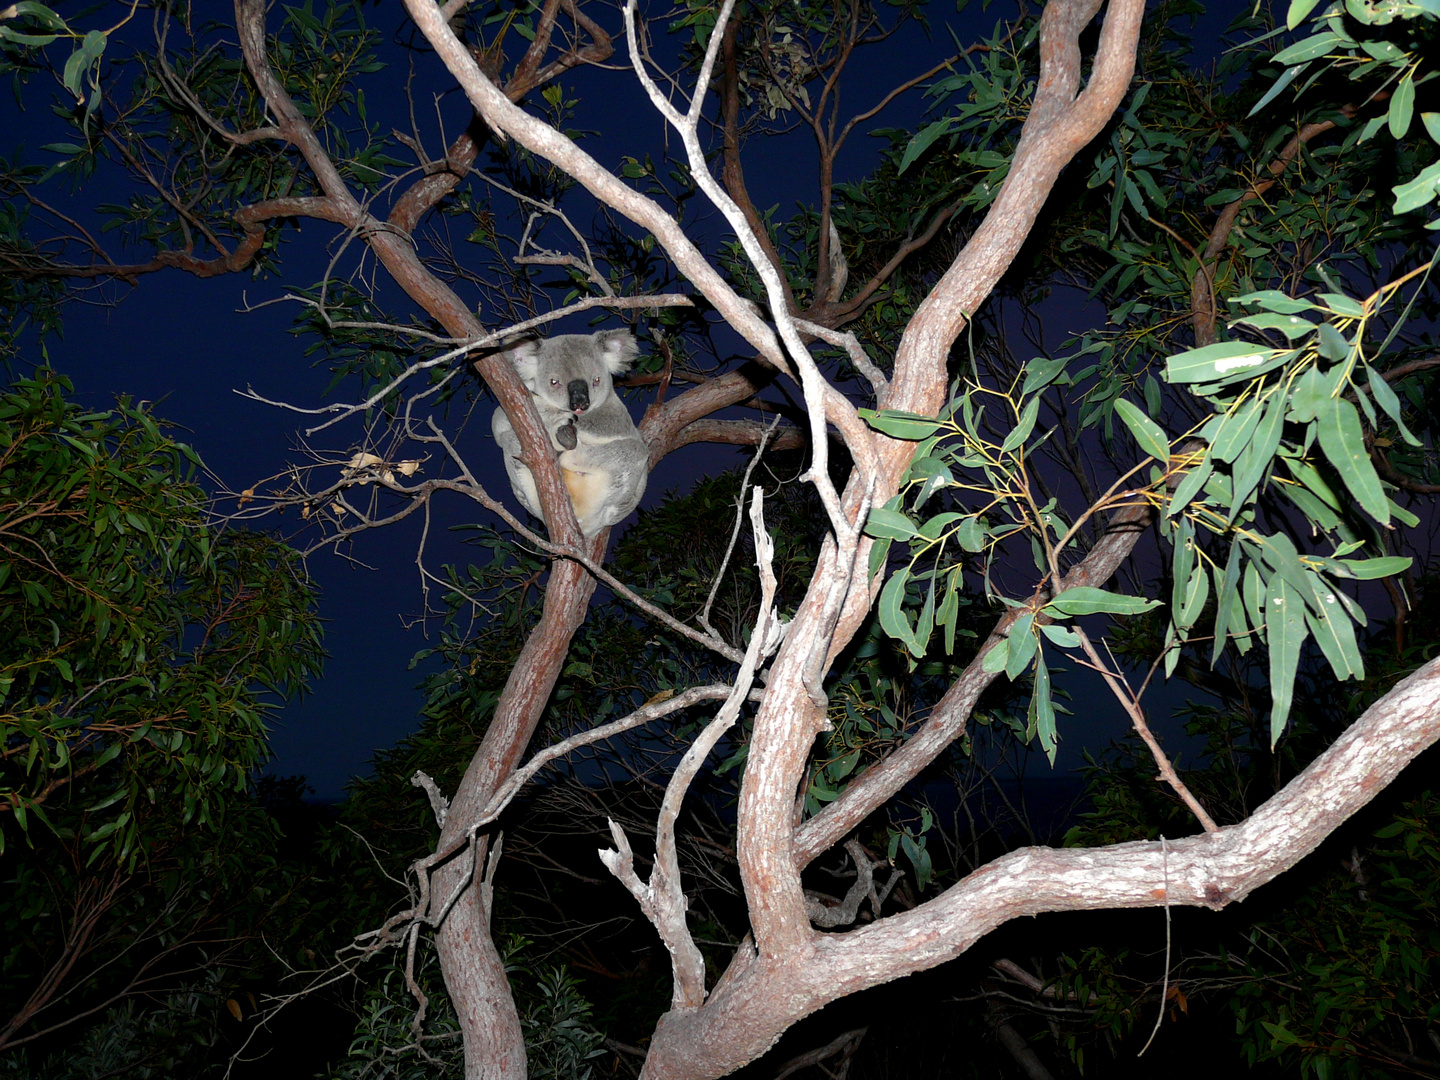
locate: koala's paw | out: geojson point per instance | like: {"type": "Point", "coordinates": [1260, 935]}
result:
{"type": "Point", "coordinates": [566, 436]}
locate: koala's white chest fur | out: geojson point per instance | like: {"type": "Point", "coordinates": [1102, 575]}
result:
{"type": "Point", "coordinates": [603, 460]}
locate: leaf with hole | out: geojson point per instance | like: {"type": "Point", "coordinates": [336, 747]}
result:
{"type": "Point", "coordinates": [1335, 635]}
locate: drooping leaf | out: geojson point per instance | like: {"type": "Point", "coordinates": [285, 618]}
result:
{"type": "Point", "coordinates": [1343, 441]}
{"type": "Point", "coordinates": [1197, 591]}
{"type": "Point", "coordinates": [971, 534]}
{"type": "Point", "coordinates": [1226, 592]}
{"type": "Point", "coordinates": [1284, 633]}
{"type": "Point", "coordinates": [1147, 433]}
{"type": "Point", "coordinates": [1387, 399]}
{"type": "Point", "coordinates": [1402, 106]}
{"type": "Point", "coordinates": [1335, 635]}
{"type": "Point", "coordinates": [1236, 429]}
{"type": "Point", "coordinates": [1190, 485]}
{"type": "Point", "coordinates": [1258, 455]}
{"type": "Point", "coordinates": [1023, 643]}
{"type": "Point", "coordinates": [1042, 710]}
{"type": "Point", "coordinates": [892, 613]}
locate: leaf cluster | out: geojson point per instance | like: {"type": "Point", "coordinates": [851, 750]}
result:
{"type": "Point", "coordinates": [142, 650]}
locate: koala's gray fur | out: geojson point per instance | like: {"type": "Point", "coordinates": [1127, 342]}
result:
{"type": "Point", "coordinates": [602, 458]}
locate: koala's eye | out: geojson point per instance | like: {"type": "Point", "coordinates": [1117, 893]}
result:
{"type": "Point", "coordinates": [555, 382]}
{"type": "Point", "coordinates": [597, 381]}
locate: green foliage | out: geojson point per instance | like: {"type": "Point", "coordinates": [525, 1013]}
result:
{"type": "Point", "coordinates": [27, 305]}
{"type": "Point", "coordinates": [1284, 416]}
{"type": "Point", "coordinates": [27, 27]}
{"type": "Point", "coordinates": [386, 1042]}
{"type": "Point", "coordinates": [174, 1036]}
{"type": "Point", "coordinates": [1385, 51]}
{"type": "Point", "coordinates": [139, 644]}
{"type": "Point", "coordinates": [144, 653]}
{"type": "Point", "coordinates": [1344, 976]}
{"type": "Point", "coordinates": [560, 1039]}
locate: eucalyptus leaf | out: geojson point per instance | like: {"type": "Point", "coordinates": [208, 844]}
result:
{"type": "Point", "coordinates": [1088, 600]}
{"type": "Point", "coordinates": [892, 615]}
{"type": "Point", "coordinates": [1214, 362]}
{"type": "Point", "coordinates": [1418, 191]}
{"type": "Point", "coordinates": [1236, 429]}
{"type": "Point", "coordinates": [1343, 441]}
{"type": "Point", "coordinates": [1042, 710]}
{"type": "Point", "coordinates": [1386, 398]}
{"type": "Point", "coordinates": [1402, 106]}
{"type": "Point", "coordinates": [886, 524]}
{"type": "Point", "coordinates": [1024, 424]}
{"type": "Point", "coordinates": [1285, 633]}
{"type": "Point", "coordinates": [1226, 591]}
{"type": "Point", "coordinates": [1061, 635]}
{"type": "Point", "coordinates": [1023, 644]}
{"type": "Point", "coordinates": [901, 425]}
{"type": "Point", "coordinates": [1147, 433]}
{"type": "Point", "coordinates": [1385, 566]}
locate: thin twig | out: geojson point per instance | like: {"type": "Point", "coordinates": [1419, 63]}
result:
{"type": "Point", "coordinates": [1131, 704]}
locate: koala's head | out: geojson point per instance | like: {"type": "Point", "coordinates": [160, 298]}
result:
{"type": "Point", "coordinates": [572, 372]}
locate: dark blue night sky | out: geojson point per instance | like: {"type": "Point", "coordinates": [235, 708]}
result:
{"type": "Point", "coordinates": [188, 346]}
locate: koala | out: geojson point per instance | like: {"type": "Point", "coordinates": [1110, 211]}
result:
{"type": "Point", "coordinates": [602, 458]}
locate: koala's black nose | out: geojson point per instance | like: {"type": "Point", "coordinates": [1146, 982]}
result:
{"type": "Point", "coordinates": [579, 395]}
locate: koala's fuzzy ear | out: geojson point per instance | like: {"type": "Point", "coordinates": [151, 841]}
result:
{"type": "Point", "coordinates": [618, 347]}
{"type": "Point", "coordinates": [526, 357]}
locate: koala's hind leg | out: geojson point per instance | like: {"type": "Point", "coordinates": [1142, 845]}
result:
{"type": "Point", "coordinates": [588, 492]}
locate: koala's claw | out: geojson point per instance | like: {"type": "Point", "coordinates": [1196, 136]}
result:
{"type": "Point", "coordinates": [567, 437]}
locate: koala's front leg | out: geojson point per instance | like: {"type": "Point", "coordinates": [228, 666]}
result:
{"type": "Point", "coordinates": [567, 436]}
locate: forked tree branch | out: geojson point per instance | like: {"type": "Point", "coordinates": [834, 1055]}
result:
{"type": "Point", "coordinates": [1062, 120]}
{"type": "Point", "coordinates": [662, 898]}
